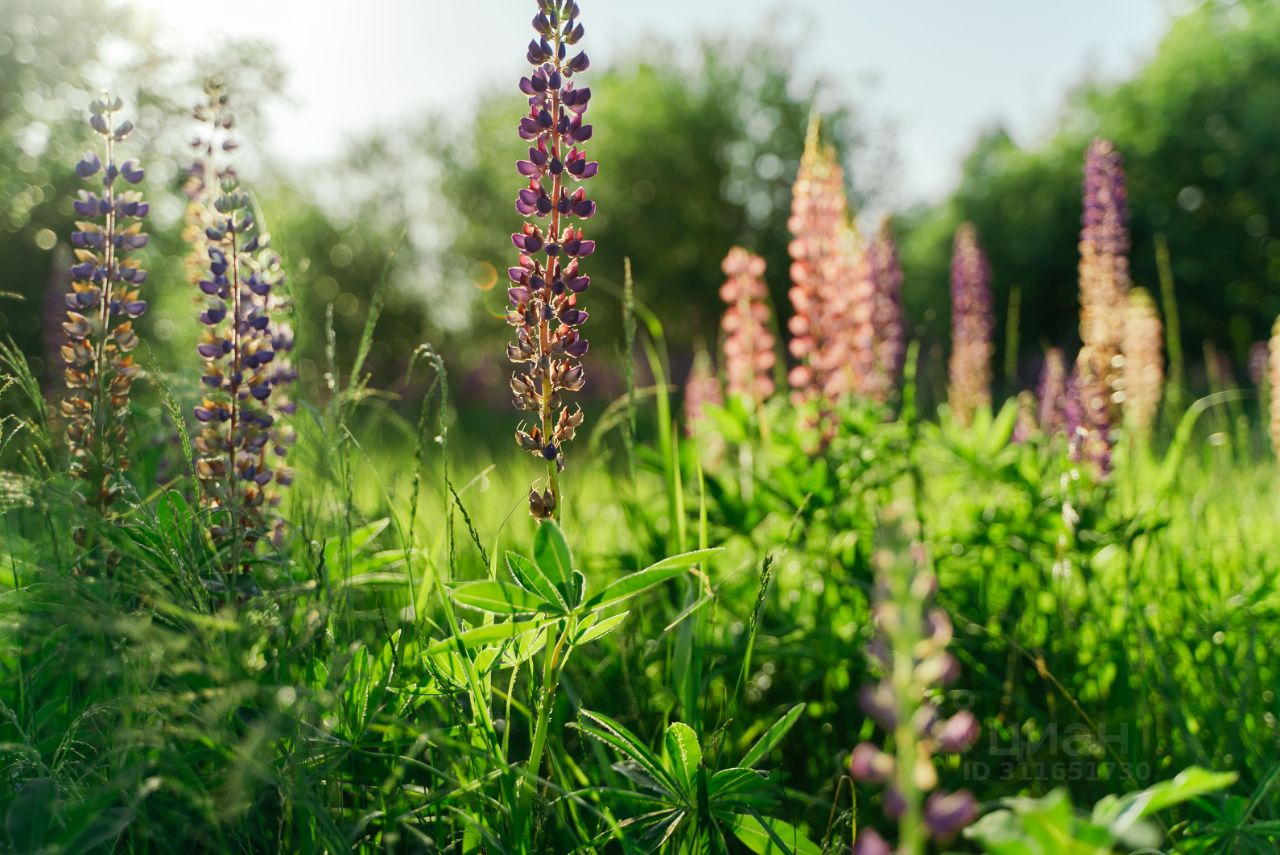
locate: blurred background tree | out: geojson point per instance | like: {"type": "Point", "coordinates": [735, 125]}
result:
{"type": "Point", "coordinates": [1202, 151]}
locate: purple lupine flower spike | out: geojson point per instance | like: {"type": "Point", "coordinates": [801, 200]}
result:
{"type": "Point", "coordinates": [1104, 292]}
{"type": "Point", "coordinates": [910, 652]}
{"type": "Point", "coordinates": [972, 325]}
{"type": "Point", "coordinates": [548, 280]}
{"type": "Point", "coordinates": [245, 343]}
{"type": "Point", "coordinates": [1052, 394]}
{"type": "Point", "coordinates": [888, 322]}
{"type": "Point", "coordinates": [101, 305]}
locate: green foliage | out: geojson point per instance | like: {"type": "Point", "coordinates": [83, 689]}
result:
{"type": "Point", "coordinates": [1202, 168]}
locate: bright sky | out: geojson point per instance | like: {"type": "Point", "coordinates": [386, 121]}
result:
{"type": "Point", "coordinates": [938, 70]}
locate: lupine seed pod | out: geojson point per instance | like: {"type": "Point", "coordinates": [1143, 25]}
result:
{"type": "Point", "coordinates": [701, 390]}
{"type": "Point", "coordinates": [1104, 287]}
{"type": "Point", "coordinates": [972, 325]}
{"type": "Point", "coordinates": [1143, 361]}
{"type": "Point", "coordinates": [888, 323]}
{"type": "Point", "coordinates": [245, 346]}
{"type": "Point", "coordinates": [1273, 375]}
{"type": "Point", "coordinates": [910, 651]}
{"type": "Point", "coordinates": [101, 305]}
{"type": "Point", "coordinates": [1052, 394]}
{"type": "Point", "coordinates": [819, 272]}
{"type": "Point", "coordinates": [544, 297]}
{"type": "Point", "coordinates": [748, 344]}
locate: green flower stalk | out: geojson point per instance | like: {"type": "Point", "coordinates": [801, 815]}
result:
{"type": "Point", "coordinates": [102, 304]}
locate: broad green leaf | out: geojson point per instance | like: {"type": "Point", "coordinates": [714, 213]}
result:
{"type": "Point", "coordinates": [617, 737]}
{"type": "Point", "coordinates": [551, 552]}
{"type": "Point", "coordinates": [480, 635]}
{"type": "Point", "coordinates": [685, 753]}
{"type": "Point", "coordinates": [771, 737]}
{"type": "Point", "coordinates": [655, 574]}
{"type": "Point", "coordinates": [1119, 813]}
{"type": "Point", "coordinates": [600, 629]}
{"type": "Point", "coordinates": [766, 836]}
{"type": "Point", "coordinates": [499, 598]}
{"type": "Point", "coordinates": [529, 576]}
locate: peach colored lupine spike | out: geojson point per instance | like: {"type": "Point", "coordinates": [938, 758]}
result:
{"type": "Point", "coordinates": [749, 343]}
{"type": "Point", "coordinates": [1143, 361]}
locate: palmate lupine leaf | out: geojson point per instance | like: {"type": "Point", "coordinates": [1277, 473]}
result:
{"type": "Point", "coordinates": [773, 836]}
{"type": "Point", "coordinates": [628, 586]}
{"type": "Point", "coordinates": [499, 598]}
{"type": "Point", "coordinates": [481, 635]}
{"type": "Point", "coordinates": [529, 575]}
{"type": "Point", "coordinates": [685, 754]}
{"type": "Point", "coordinates": [599, 726]}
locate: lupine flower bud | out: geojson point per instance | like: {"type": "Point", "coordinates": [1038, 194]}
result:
{"type": "Point", "coordinates": [1274, 377]}
{"type": "Point", "coordinates": [887, 321]}
{"type": "Point", "coordinates": [544, 294]}
{"type": "Point", "coordinates": [101, 305]}
{"type": "Point", "coordinates": [972, 325]}
{"type": "Point", "coordinates": [245, 344]}
{"type": "Point", "coordinates": [1104, 289]}
{"type": "Point", "coordinates": [748, 345]}
{"type": "Point", "coordinates": [1143, 361]}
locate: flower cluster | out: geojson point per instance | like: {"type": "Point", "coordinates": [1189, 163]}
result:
{"type": "Point", "coordinates": [1104, 289]}
{"type": "Point", "coordinates": [701, 389]}
{"type": "Point", "coordinates": [887, 321]}
{"type": "Point", "coordinates": [910, 650]}
{"type": "Point", "coordinates": [102, 303]}
{"type": "Point", "coordinates": [245, 345]}
{"type": "Point", "coordinates": [1143, 361]}
{"type": "Point", "coordinates": [832, 287]}
{"type": "Point", "coordinates": [548, 279]}
{"type": "Point", "coordinates": [1052, 394]}
{"type": "Point", "coordinates": [748, 345]}
{"type": "Point", "coordinates": [972, 325]}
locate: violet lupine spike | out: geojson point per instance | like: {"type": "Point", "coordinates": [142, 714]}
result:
{"type": "Point", "coordinates": [1052, 394]}
{"type": "Point", "coordinates": [910, 651]}
{"type": "Point", "coordinates": [245, 345]}
{"type": "Point", "coordinates": [1104, 289]}
{"type": "Point", "coordinates": [888, 323]}
{"type": "Point", "coordinates": [972, 325]}
{"type": "Point", "coordinates": [1143, 361]}
{"type": "Point", "coordinates": [1090, 410]}
{"type": "Point", "coordinates": [101, 305]}
{"type": "Point", "coordinates": [547, 282]}
{"type": "Point", "coordinates": [749, 356]}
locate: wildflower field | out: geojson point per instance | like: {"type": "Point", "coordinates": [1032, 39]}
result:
{"type": "Point", "coordinates": [815, 583]}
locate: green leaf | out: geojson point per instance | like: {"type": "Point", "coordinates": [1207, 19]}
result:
{"type": "Point", "coordinates": [499, 598]}
{"type": "Point", "coordinates": [617, 737]}
{"type": "Point", "coordinates": [735, 782]}
{"type": "Point", "coordinates": [772, 736]}
{"type": "Point", "coordinates": [685, 753]}
{"type": "Point", "coordinates": [529, 576]}
{"type": "Point", "coordinates": [766, 836]}
{"type": "Point", "coordinates": [655, 574]}
{"type": "Point", "coordinates": [360, 539]}
{"type": "Point", "coordinates": [551, 552]}
{"type": "Point", "coordinates": [480, 635]}
{"type": "Point", "coordinates": [1119, 813]}
{"type": "Point", "coordinates": [600, 629]}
